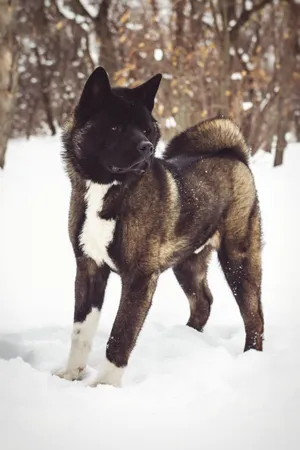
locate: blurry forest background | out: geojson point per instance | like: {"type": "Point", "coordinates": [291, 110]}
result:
{"type": "Point", "coordinates": [238, 58]}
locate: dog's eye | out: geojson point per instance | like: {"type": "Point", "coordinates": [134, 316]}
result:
{"type": "Point", "coordinates": [116, 128]}
{"type": "Point", "coordinates": [146, 131]}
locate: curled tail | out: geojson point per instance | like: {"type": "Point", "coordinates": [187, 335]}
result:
{"type": "Point", "coordinates": [213, 137]}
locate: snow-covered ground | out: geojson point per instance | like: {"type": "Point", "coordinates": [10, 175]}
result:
{"type": "Point", "coordinates": [183, 390]}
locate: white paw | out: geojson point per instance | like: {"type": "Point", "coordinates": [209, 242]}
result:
{"type": "Point", "coordinates": [110, 374]}
{"type": "Point", "coordinates": [70, 374]}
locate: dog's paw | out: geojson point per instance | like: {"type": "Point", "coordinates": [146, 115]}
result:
{"type": "Point", "coordinates": [100, 380]}
{"type": "Point", "coordinates": [110, 375]}
{"type": "Point", "coordinates": [70, 374]}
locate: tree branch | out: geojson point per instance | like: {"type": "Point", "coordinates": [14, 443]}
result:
{"type": "Point", "coordinates": [245, 16]}
{"type": "Point", "coordinates": [78, 8]}
{"type": "Point", "coordinates": [103, 9]}
{"type": "Point", "coordinates": [214, 13]}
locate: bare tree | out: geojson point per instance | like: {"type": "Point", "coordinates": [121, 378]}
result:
{"type": "Point", "coordinates": [8, 73]}
{"type": "Point", "coordinates": [289, 61]}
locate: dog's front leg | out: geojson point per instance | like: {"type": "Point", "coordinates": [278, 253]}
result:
{"type": "Point", "coordinates": [136, 299]}
{"type": "Point", "coordinates": [90, 287]}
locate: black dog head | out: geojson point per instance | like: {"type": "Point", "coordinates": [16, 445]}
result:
{"type": "Point", "coordinates": [113, 133]}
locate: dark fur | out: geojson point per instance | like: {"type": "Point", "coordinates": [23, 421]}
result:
{"type": "Point", "coordinates": [201, 192]}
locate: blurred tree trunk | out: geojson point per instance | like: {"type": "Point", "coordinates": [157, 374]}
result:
{"type": "Point", "coordinates": [281, 130]}
{"type": "Point", "coordinates": [197, 10]}
{"type": "Point", "coordinates": [45, 94]}
{"type": "Point", "coordinates": [289, 61]}
{"type": "Point", "coordinates": [102, 26]}
{"type": "Point", "coordinates": [8, 72]}
{"type": "Point", "coordinates": [107, 50]}
{"type": "Point", "coordinates": [297, 128]}
{"type": "Point", "coordinates": [179, 6]}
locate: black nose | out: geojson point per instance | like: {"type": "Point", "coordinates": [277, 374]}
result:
{"type": "Point", "coordinates": [146, 148]}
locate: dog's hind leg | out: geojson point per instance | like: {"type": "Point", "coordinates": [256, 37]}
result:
{"type": "Point", "coordinates": [192, 277]}
{"type": "Point", "coordinates": [240, 258]}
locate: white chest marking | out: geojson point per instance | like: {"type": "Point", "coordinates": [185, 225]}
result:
{"type": "Point", "coordinates": [97, 233]}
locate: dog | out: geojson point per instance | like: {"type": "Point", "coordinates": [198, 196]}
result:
{"type": "Point", "coordinates": [138, 215]}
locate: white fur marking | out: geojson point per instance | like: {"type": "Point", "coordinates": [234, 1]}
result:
{"type": "Point", "coordinates": [110, 374]}
{"type": "Point", "coordinates": [200, 248]}
{"type": "Point", "coordinates": [173, 189]}
{"type": "Point", "coordinates": [97, 233]}
{"type": "Point", "coordinates": [214, 241]}
{"type": "Point", "coordinates": [82, 336]}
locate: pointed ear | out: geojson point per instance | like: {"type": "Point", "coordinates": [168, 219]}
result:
{"type": "Point", "coordinates": [146, 92]}
{"type": "Point", "coordinates": [96, 90]}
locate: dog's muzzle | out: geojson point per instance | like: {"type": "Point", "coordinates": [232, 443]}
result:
{"type": "Point", "coordinates": [140, 166]}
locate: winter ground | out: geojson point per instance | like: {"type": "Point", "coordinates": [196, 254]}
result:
{"type": "Point", "coordinates": [182, 390]}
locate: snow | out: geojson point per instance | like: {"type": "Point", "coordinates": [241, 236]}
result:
{"type": "Point", "coordinates": [65, 11]}
{"type": "Point", "coordinates": [134, 26]}
{"type": "Point", "coordinates": [248, 5]}
{"type": "Point", "coordinates": [245, 57]}
{"type": "Point", "coordinates": [247, 105]}
{"type": "Point", "coordinates": [170, 122]}
{"type": "Point", "coordinates": [167, 76]}
{"type": "Point", "coordinates": [265, 101]}
{"type": "Point", "coordinates": [236, 76]}
{"type": "Point", "coordinates": [182, 389]}
{"type": "Point", "coordinates": [158, 54]}
{"type": "Point", "coordinates": [90, 7]}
